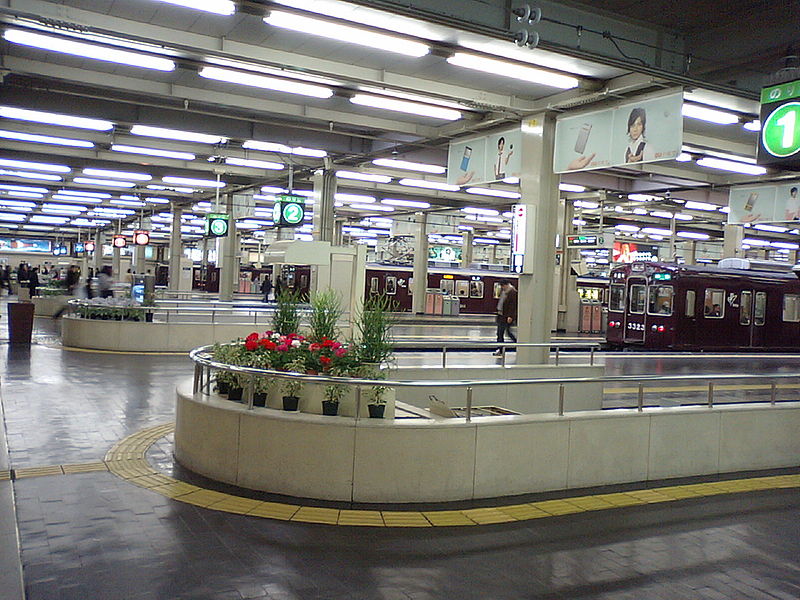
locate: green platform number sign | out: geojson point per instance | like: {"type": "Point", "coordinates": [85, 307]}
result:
{"type": "Point", "coordinates": [779, 143]}
{"type": "Point", "coordinates": [217, 225]}
{"type": "Point", "coordinates": [289, 211]}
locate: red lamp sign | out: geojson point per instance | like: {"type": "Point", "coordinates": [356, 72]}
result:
{"type": "Point", "coordinates": [141, 237]}
{"type": "Point", "coordinates": [89, 246]}
{"type": "Point", "coordinates": [119, 241]}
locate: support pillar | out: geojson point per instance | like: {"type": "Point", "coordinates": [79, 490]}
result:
{"type": "Point", "coordinates": [229, 274]}
{"type": "Point", "coordinates": [324, 182]}
{"type": "Point", "coordinates": [175, 248]}
{"type": "Point", "coordinates": [97, 259]}
{"type": "Point", "coordinates": [563, 270]}
{"type": "Point", "coordinates": [539, 189]}
{"type": "Point", "coordinates": [692, 258]}
{"type": "Point", "coordinates": [116, 258]}
{"type": "Point", "coordinates": [732, 241]}
{"type": "Point", "coordinates": [467, 238]}
{"type": "Point", "coordinates": [420, 264]}
{"type": "Point", "coordinates": [672, 237]}
{"type": "Point", "coordinates": [139, 260]}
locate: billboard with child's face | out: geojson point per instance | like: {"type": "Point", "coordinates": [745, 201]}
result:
{"type": "Point", "coordinates": [635, 132]}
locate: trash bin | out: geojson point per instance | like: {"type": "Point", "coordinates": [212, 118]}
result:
{"type": "Point", "coordinates": [20, 322]}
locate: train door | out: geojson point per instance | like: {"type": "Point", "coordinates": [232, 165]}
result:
{"type": "Point", "coordinates": [757, 336]}
{"type": "Point", "coordinates": [688, 336]}
{"type": "Point", "coordinates": [635, 315]}
{"type": "Point", "coordinates": [746, 316]}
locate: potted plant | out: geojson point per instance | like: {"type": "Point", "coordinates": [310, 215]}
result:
{"type": "Point", "coordinates": [286, 319]}
{"type": "Point", "coordinates": [325, 313]}
{"type": "Point", "coordinates": [223, 353]}
{"type": "Point", "coordinates": [293, 386]}
{"type": "Point", "coordinates": [376, 402]}
{"type": "Point", "coordinates": [334, 393]}
{"type": "Point", "coordinates": [373, 324]}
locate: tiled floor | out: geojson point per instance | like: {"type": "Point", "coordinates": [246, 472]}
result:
{"type": "Point", "coordinates": [95, 536]}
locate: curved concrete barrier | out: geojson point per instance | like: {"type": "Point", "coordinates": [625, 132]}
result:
{"type": "Point", "coordinates": [420, 460]}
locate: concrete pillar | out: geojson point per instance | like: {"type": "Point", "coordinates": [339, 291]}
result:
{"type": "Point", "coordinates": [539, 189]}
{"type": "Point", "coordinates": [493, 254]}
{"type": "Point", "coordinates": [97, 259]}
{"type": "Point", "coordinates": [732, 241]}
{"type": "Point", "coordinates": [467, 238]}
{"type": "Point", "coordinates": [229, 273]}
{"type": "Point", "coordinates": [420, 264]}
{"type": "Point", "coordinates": [116, 258]}
{"type": "Point", "coordinates": [563, 271]}
{"type": "Point", "coordinates": [324, 182]}
{"type": "Point", "coordinates": [691, 259]}
{"type": "Point", "coordinates": [673, 223]}
{"type": "Point", "coordinates": [139, 260]}
{"type": "Point", "coordinates": [175, 249]}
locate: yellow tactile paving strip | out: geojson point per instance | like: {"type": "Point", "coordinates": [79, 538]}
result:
{"type": "Point", "coordinates": [127, 460]}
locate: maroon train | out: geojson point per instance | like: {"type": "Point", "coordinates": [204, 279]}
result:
{"type": "Point", "coordinates": [657, 306]}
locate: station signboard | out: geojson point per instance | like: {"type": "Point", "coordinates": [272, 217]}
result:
{"type": "Point", "coordinates": [585, 241]}
{"type": "Point", "coordinates": [779, 141]}
{"type": "Point", "coordinates": [289, 210]}
{"type": "Point", "coordinates": [217, 224]}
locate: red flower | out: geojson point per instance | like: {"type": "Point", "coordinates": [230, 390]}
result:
{"type": "Point", "coordinates": [251, 344]}
{"type": "Point", "coordinates": [252, 337]}
{"type": "Point", "coordinates": [340, 352]}
{"type": "Point", "coordinates": [267, 333]}
{"type": "Point", "coordinates": [268, 344]}
{"type": "Point", "coordinates": [328, 343]}
{"type": "Point", "coordinates": [325, 360]}
{"type": "Point", "coordinates": [315, 347]}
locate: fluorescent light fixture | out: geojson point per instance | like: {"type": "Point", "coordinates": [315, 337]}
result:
{"type": "Point", "coordinates": [4, 216]}
{"type": "Point", "coordinates": [485, 241]}
{"type": "Point", "coordinates": [44, 139]}
{"type": "Point", "coordinates": [511, 180]}
{"type": "Point", "coordinates": [683, 157]}
{"type": "Point", "coordinates": [255, 164]}
{"type": "Point", "coordinates": [346, 33]}
{"type": "Point", "coordinates": [64, 207]}
{"type": "Point", "coordinates": [218, 7]}
{"type": "Point", "coordinates": [354, 198]}
{"type": "Point", "coordinates": [569, 187]}
{"type": "Point", "coordinates": [113, 211]}
{"type": "Point", "coordinates": [18, 205]}
{"type": "Point", "coordinates": [363, 176]}
{"type": "Point", "coordinates": [514, 71]}
{"type": "Point", "coordinates": [683, 217]}
{"type": "Point", "coordinates": [194, 182]}
{"type": "Point", "coordinates": [773, 228]}
{"type": "Point", "coordinates": [83, 199]}
{"type": "Point", "coordinates": [755, 242]}
{"type": "Point", "coordinates": [127, 202]}
{"type": "Point", "coordinates": [180, 190]}
{"type": "Point", "coordinates": [24, 188]}
{"type": "Point", "coordinates": [266, 82]}
{"type": "Point", "coordinates": [409, 166]}
{"type": "Point", "coordinates": [404, 106]}
{"type": "Point", "coordinates": [494, 193]}
{"type": "Point", "coordinates": [157, 200]}
{"type": "Point", "coordinates": [753, 125]}
{"type": "Point", "coordinates": [655, 231]}
{"type": "Point", "coordinates": [29, 175]}
{"type": "Point", "coordinates": [405, 203]}
{"type": "Point", "coordinates": [692, 205]}
{"type": "Point", "coordinates": [786, 245]}
{"type": "Point", "coordinates": [50, 220]}
{"type": "Point", "coordinates": [153, 152]}
{"type": "Point", "coordinates": [429, 185]}
{"type": "Point", "coordinates": [82, 193]}
{"type": "Point", "coordinates": [586, 204]}
{"type": "Point", "coordinates": [481, 211]}
{"type": "Point", "coordinates": [176, 135]}
{"type": "Point", "coordinates": [728, 165]}
{"type": "Point", "coordinates": [282, 149]}
{"type": "Point", "coordinates": [371, 207]}
{"type": "Point", "coordinates": [117, 174]}
{"type": "Point", "coordinates": [643, 197]}
{"type": "Point", "coordinates": [631, 228]}
{"type": "Point", "coordinates": [36, 166]}
{"type": "Point", "coordinates": [24, 194]}
{"type": "Point", "coordinates": [726, 210]}
{"type": "Point", "coordinates": [104, 182]}
{"type": "Point", "coordinates": [692, 235]}
{"type": "Point", "coordinates": [269, 189]}
{"type": "Point", "coordinates": [712, 115]}
{"type": "Point", "coordinates": [104, 53]}
{"type": "Point", "coordinates": [37, 116]}
{"type": "Point", "coordinates": [661, 214]}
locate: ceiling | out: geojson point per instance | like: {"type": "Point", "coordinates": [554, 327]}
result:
{"type": "Point", "coordinates": [350, 135]}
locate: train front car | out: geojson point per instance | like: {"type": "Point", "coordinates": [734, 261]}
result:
{"type": "Point", "coordinates": [641, 307]}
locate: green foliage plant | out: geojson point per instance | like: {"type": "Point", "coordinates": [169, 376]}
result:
{"type": "Point", "coordinates": [286, 319]}
{"type": "Point", "coordinates": [292, 386]}
{"type": "Point", "coordinates": [326, 310]}
{"type": "Point", "coordinates": [336, 391]}
{"type": "Point", "coordinates": [373, 324]}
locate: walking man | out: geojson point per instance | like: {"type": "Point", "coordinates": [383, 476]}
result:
{"type": "Point", "coordinates": [506, 313]}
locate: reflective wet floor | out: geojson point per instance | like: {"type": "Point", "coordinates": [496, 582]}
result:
{"type": "Point", "coordinates": [95, 536]}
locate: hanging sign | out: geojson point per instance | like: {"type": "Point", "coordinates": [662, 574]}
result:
{"type": "Point", "coordinates": [779, 141]}
{"type": "Point", "coordinates": [141, 237]}
{"type": "Point", "coordinates": [119, 241]}
{"type": "Point", "coordinates": [217, 224]}
{"type": "Point", "coordinates": [289, 211]}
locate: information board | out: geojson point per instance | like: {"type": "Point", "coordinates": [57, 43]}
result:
{"type": "Point", "coordinates": [779, 141]}
{"type": "Point", "coordinates": [289, 211]}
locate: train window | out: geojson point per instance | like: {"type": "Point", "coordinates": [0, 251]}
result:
{"type": "Point", "coordinates": [638, 298]}
{"type": "Point", "coordinates": [760, 311]}
{"type": "Point", "coordinates": [691, 296]}
{"type": "Point", "coordinates": [791, 308]}
{"type": "Point", "coordinates": [617, 299]}
{"type": "Point", "coordinates": [660, 301]}
{"type": "Point", "coordinates": [745, 308]}
{"type": "Point", "coordinates": [714, 304]}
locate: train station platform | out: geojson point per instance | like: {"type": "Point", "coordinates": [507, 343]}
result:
{"type": "Point", "coordinates": [92, 526]}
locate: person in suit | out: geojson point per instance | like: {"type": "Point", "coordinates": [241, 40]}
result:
{"type": "Point", "coordinates": [506, 313]}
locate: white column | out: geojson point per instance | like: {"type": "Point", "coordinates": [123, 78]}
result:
{"type": "Point", "coordinates": [97, 259]}
{"type": "Point", "coordinates": [116, 258]}
{"type": "Point", "coordinates": [324, 182]}
{"type": "Point", "coordinates": [420, 265]}
{"type": "Point", "coordinates": [139, 260]}
{"type": "Point", "coordinates": [175, 250]}
{"type": "Point", "coordinates": [539, 189]}
{"type": "Point", "coordinates": [467, 238]}
{"type": "Point", "coordinates": [673, 223]}
{"type": "Point", "coordinates": [692, 258]}
{"type": "Point", "coordinates": [563, 271]}
{"type": "Point", "coordinates": [732, 241]}
{"type": "Point", "coordinates": [229, 273]}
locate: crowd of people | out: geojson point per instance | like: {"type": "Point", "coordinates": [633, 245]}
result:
{"type": "Point", "coordinates": [69, 278]}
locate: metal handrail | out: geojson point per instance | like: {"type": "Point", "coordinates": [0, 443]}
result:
{"type": "Point", "coordinates": [201, 358]}
{"type": "Point", "coordinates": [591, 346]}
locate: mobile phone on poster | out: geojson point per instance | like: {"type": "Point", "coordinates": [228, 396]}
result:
{"type": "Point", "coordinates": [465, 158]}
{"type": "Point", "coordinates": [583, 138]}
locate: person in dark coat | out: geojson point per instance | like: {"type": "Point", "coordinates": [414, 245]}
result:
{"type": "Point", "coordinates": [506, 313]}
{"type": "Point", "coordinates": [33, 281]}
{"type": "Point", "coordinates": [266, 287]}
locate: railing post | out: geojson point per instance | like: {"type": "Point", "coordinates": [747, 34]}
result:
{"type": "Point", "coordinates": [640, 398]}
{"type": "Point", "coordinates": [249, 390]}
{"type": "Point", "coordinates": [558, 351]}
{"type": "Point", "coordinates": [358, 402]}
{"type": "Point", "coordinates": [503, 356]}
{"type": "Point", "coordinates": [198, 378]}
{"type": "Point", "coordinates": [710, 394]}
{"type": "Point", "coordinates": [560, 399]}
{"type": "Point", "coordinates": [591, 356]}
{"type": "Point", "coordinates": [469, 404]}
{"type": "Point", "coordinates": [772, 393]}
{"type": "Point", "coordinates": [444, 356]}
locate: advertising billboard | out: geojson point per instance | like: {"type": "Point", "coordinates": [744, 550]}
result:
{"type": "Point", "coordinates": [628, 252]}
{"type": "Point", "coordinates": [484, 159]}
{"type": "Point", "coordinates": [769, 203]}
{"type": "Point", "coordinates": [25, 245]}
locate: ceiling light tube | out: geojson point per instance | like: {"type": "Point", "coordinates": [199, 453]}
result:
{"type": "Point", "coordinates": [631, 228]}
{"type": "Point", "coordinates": [194, 182]}
{"type": "Point", "coordinates": [752, 125]}
{"type": "Point", "coordinates": [728, 165]}
{"type": "Point", "coordinates": [569, 187]}
{"type": "Point", "coordinates": [24, 164]}
{"type": "Point", "coordinates": [24, 194]}
{"type": "Point", "coordinates": [51, 220]}
{"type": "Point", "coordinates": [12, 217]}
{"type": "Point", "coordinates": [176, 135]}
{"type": "Point", "coordinates": [157, 200]}
{"type": "Point", "coordinates": [127, 202]}
{"type": "Point", "coordinates": [36, 116]}
{"type": "Point", "coordinates": [772, 228]}
{"type": "Point", "coordinates": [24, 188]}
{"type": "Point", "coordinates": [44, 139]}
{"type": "Point", "coordinates": [165, 188]}
{"type": "Point", "coordinates": [265, 82]}
{"type": "Point", "coordinates": [712, 115]}
{"type": "Point", "coordinates": [117, 174]}
{"type": "Point", "coordinates": [354, 198]}
{"type": "Point", "coordinates": [68, 207]}
{"type": "Point", "coordinates": [218, 7]}
{"type": "Point", "coordinates": [514, 71]}
{"type": "Point", "coordinates": [370, 207]}
{"type": "Point", "coordinates": [692, 235]}
{"type": "Point", "coordinates": [104, 182]}
{"type": "Point", "coordinates": [84, 200]}
{"type": "Point", "coordinates": [29, 175]}
{"type": "Point", "coordinates": [363, 176]}
{"type": "Point", "coordinates": [429, 185]}
{"type": "Point", "coordinates": [255, 164]}
{"type": "Point", "coordinates": [692, 205]}
{"type": "Point", "coordinates": [655, 231]}
{"type": "Point", "coordinates": [282, 149]}
{"type": "Point", "coordinates": [346, 33]}
{"type": "Point", "coordinates": [409, 166]}
{"type": "Point", "coordinates": [18, 204]}
{"type": "Point", "coordinates": [85, 50]}
{"type": "Point", "coordinates": [153, 152]}
{"type": "Point", "coordinates": [82, 193]}
{"type": "Point", "coordinates": [405, 203]}
{"type": "Point", "coordinates": [683, 157]}
{"type": "Point", "coordinates": [494, 193]}
{"type": "Point", "coordinates": [481, 211]}
{"type": "Point", "coordinates": [404, 106]}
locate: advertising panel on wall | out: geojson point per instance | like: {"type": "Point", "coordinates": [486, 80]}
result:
{"type": "Point", "coordinates": [628, 252]}
{"type": "Point", "coordinates": [484, 159]}
{"type": "Point", "coordinates": [25, 245]}
{"type": "Point", "coordinates": [635, 132]}
{"type": "Point", "coordinates": [769, 203]}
